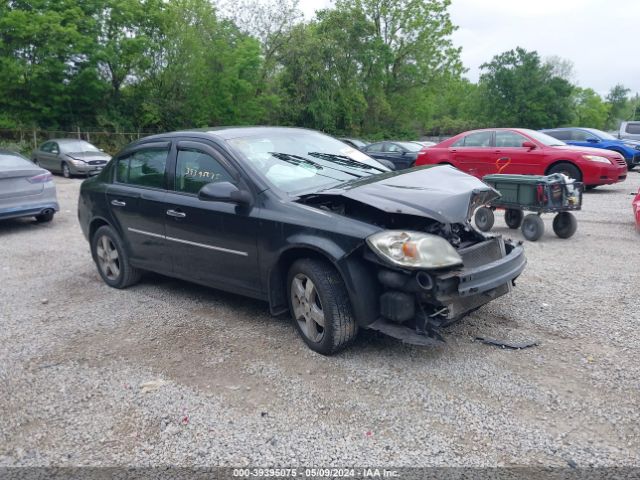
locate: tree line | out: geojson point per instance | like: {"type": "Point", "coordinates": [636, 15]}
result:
{"type": "Point", "coordinates": [369, 68]}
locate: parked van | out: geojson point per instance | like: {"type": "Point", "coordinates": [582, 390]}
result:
{"type": "Point", "coordinates": [630, 130]}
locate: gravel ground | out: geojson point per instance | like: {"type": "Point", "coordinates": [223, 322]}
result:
{"type": "Point", "coordinates": [231, 385]}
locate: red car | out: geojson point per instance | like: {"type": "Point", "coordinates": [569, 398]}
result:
{"type": "Point", "coordinates": [636, 210]}
{"type": "Point", "coordinates": [525, 152]}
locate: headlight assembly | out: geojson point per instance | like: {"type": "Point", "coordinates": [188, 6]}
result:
{"type": "Point", "coordinates": [410, 249]}
{"type": "Point", "coordinates": [78, 163]}
{"type": "Point", "coordinates": [596, 158]}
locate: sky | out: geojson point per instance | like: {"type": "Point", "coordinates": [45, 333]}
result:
{"type": "Point", "coordinates": [600, 37]}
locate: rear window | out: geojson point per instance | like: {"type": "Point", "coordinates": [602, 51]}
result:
{"type": "Point", "coordinates": [633, 128]}
{"type": "Point", "coordinates": [14, 160]}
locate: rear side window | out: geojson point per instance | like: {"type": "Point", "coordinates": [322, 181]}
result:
{"type": "Point", "coordinates": [143, 167]}
{"type": "Point", "coordinates": [194, 169]}
{"type": "Point", "coordinates": [633, 128]}
{"type": "Point", "coordinates": [478, 139]}
{"type": "Point", "coordinates": [560, 134]}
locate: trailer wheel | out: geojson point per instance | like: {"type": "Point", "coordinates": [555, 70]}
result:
{"type": "Point", "coordinates": [513, 217]}
{"type": "Point", "coordinates": [484, 218]}
{"type": "Point", "coordinates": [532, 227]}
{"type": "Point", "coordinates": [565, 224]}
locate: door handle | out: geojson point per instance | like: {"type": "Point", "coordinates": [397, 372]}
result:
{"type": "Point", "coordinates": [176, 214]}
{"type": "Point", "coordinates": [118, 203]}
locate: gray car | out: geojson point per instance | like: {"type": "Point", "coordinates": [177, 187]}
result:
{"type": "Point", "coordinates": [26, 190]}
{"type": "Point", "coordinates": [70, 157]}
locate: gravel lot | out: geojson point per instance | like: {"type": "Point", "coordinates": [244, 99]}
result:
{"type": "Point", "coordinates": [234, 386]}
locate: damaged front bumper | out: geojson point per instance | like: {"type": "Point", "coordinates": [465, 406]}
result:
{"type": "Point", "coordinates": [414, 304]}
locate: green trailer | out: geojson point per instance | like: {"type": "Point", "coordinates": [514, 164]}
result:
{"type": "Point", "coordinates": [555, 193]}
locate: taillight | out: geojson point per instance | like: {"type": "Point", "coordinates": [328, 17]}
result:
{"type": "Point", "coordinates": [42, 178]}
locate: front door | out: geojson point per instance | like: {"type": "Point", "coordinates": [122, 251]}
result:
{"type": "Point", "coordinates": [474, 154]}
{"type": "Point", "coordinates": [214, 243]}
{"type": "Point", "coordinates": [511, 157]}
{"type": "Point", "coordinates": [137, 203]}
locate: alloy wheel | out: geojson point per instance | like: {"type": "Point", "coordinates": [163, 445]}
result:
{"type": "Point", "coordinates": [108, 258]}
{"type": "Point", "coordinates": [307, 308]}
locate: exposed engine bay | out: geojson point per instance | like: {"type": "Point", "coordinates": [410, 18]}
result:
{"type": "Point", "coordinates": [414, 304]}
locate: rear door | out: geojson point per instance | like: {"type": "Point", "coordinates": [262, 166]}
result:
{"type": "Point", "coordinates": [474, 153]}
{"type": "Point", "coordinates": [137, 199]}
{"type": "Point", "coordinates": [214, 243]}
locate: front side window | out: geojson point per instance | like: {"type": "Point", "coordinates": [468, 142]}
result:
{"type": "Point", "coordinates": [580, 136]}
{"type": "Point", "coordinates": [506, 139]}
{"type": "Point", "coordinates": [194, 169]}
{"type": "Point", "coordinates": [393, 148]}
{"type": "Point", "coordinates": [143, 167]}
{"type": "Point", "coordinates": [478, 139]}
{"type": "Point", "coordinates": [46, 147]}
{"type": "Point", "coordinates": [54, 148]}
{"type": "Point", "coordinates": [376, 147]}
{"type": "Point", "coordinates": [633, 128]}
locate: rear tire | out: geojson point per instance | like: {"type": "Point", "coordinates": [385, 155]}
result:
{"type": "Point", "coordinates": [112, 260]}
{"type": "Point", "coordinates": [565, 224]}
{"type": "Point", "coordinates": [532, 227]}
{"type": "Point", "coordinates": [320, 306]}
{"type": "Point", "coordinates": [513, 217]}
{"type": "Point", "coordinates": [569, 169]}
{"type": "Point", "coordinates": [66, 171]}
{"type": "Point", "coordinates": [484, 218]}
{"type": "Point", "coordinates": [45, 217]}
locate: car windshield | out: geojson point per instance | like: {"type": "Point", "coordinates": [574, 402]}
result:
{"type": "Point", "coordinates": [303, 161]}
{"type": "Point", "coordinates": [602, 135]}
{"type": "Point", "coordinates": [543, 138]}
{"type": "Point", "coordinates": [10, 161]}
{"type": "Point", "coordinates": [78, 146]}
{"type": "Point", "coordinates": [410, 146]}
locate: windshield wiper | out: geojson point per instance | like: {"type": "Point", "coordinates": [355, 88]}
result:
{"type": "Point", "coordinates": [297, 160]}
{"type": "Point", "coordinates": [344, 160]}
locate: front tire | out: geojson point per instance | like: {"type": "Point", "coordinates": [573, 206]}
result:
{"type": "Point", "coordinates": [569, 169]}
{"type": "Point", "coordinates": [66, 171]}
{"type": "Point", "coordinates": [112, 260]}
{"type": "Point", "coordinates": [320, 306]}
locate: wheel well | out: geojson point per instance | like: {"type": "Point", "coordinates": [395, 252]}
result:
{"type": "Point", "coordinates": [558, 162]}
{"type": "Point", "coordinates": [95, 225]}
{"type": "Point", "coordinates": [278, 275]}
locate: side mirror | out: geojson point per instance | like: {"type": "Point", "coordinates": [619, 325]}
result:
{"type": "Point", "coordinates": [529, 145]}
{"type": "Point", "coordinates": [224, 192]}
{"type": "Point", "coordinates": [592, 140]}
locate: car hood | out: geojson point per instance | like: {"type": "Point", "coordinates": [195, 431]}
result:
{"type": "Point", "coordinates": [90, 155]}
{"type": "Point", "coordinates": [442, 193]}
{"type": "Point", "coordinates": [589, 151]}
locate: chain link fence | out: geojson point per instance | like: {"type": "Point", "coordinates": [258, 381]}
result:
{"type": "Point", "coordinates": [26, 140]}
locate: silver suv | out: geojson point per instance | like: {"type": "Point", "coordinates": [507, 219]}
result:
{"type": "Point", "coordinates": [629, 131]}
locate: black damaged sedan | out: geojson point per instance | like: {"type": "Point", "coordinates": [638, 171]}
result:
{"type": "Point", "coordinates": [304, 222]}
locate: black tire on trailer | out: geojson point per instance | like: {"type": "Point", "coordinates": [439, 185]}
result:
{"type": "Point", "coordinates": [513, 217]}
{"type": "Point", "coordinates": [320, 306]}
{"type": "Point", "coordinates": [484, 218]}
{"type": "Point", "coordinates": [565, 224]}
{"type": "Point", "coordinates": [532, 227]}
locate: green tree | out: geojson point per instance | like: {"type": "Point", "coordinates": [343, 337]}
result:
{"type": "Point", "coordinates": [518, 90]}
{"type": "Point", "coordinates": [589, 109]}
{"type": "Point", "coordinates": [619, 105]}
